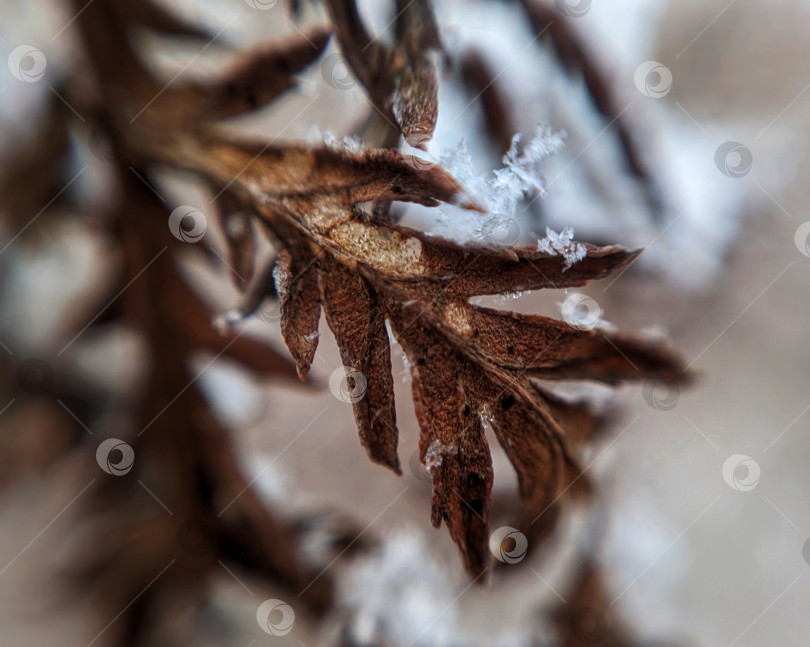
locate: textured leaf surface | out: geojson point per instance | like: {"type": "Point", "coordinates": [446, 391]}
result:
{"type": "Point", "coordinates": [321, 205]}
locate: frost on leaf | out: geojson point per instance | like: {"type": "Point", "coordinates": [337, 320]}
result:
{"type": "Point", "coordinates": [347, 143]}
{"type": "Point", "coordinates": [369, 274]}
{"type": "Point", "coordinates": [523, 164]}
{"type": "Point", "coordinates": [499, 192]}
{"type": "Point", "coordinates": [562, 244]}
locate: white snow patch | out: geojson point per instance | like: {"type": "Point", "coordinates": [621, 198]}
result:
{"type": "Point", "coordinates": [435, 454]}
{"type": "Point", "coordinates": [524, 174]}
{"type": "Point", "coordinates": [506, 297]}
{"type": "Point", "coordinates": [562, 244]}
{"type": "Point", "coordinates": [282, 279]}
{"type": "Point", "coordinates": [500, 191]}
{"type": "Point", "coordinates": [394, 595]}
{"type": "Point", "coordinates": [343, 144]}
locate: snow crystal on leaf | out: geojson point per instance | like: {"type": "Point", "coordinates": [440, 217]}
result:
{"type": "Point", "coordinates": [435, 455]}
{"type": "Point", "coordinates": [562, 244]}
{"type": "Point", "coordinates": [459, 164]}
{"type": "Point", "coordinates": [500, 191]}
{"type": "Point", "coordinates": [508, 296]}
{"type": "Point", "coordinates": [345, 144]}
{"type": "Point", "coordinates": [523, 166]}
{"type": "Point", "coordinates": [282, 278]}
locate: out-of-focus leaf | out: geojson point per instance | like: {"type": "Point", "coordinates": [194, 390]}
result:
{"type": "Point", "coordinates": [402, 81]}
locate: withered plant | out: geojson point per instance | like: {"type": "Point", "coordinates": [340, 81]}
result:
{"type": "Point", "coordinates": [326, 210]}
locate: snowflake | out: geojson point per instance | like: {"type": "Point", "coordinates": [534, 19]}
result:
{"type": "Point", "coordinates": [562, 244]}
{"type": "Point", "coordinates": [500, 191]}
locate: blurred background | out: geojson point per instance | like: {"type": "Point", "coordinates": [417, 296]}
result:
{"type": "Point", "coordinates": [701, 518]}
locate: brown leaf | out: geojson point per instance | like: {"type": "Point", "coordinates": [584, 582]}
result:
{"type": "Point", "coordinates": [588, 617]}
{"type": "Point", "coordinates": [257, 79]}
{"type": "Point", "coordinates": [469, 364]}
{"type": "Point", "coordinates": [355, 316]}
{"type": "Point", "coordinates": [552, 349]}
{"type": "Point", "coordinates": [483, 85]}
{"type": "Point", "coordinates": [452, 444]}
{"type": "Point", "coordinates": [36, 177]}
{"type": "Point", "coordinates": [535, 445]}
{"type": "Point", "coordinates": [152, 15]}
{"type": "Point", "coordinates": [297, 284]}
{"type": "Point", "coordinates": [415, 96]}
{"type": "Point", "coordinates": [237, 227]}
{"type": "Point", "coordinates": [402, 80]}
{"type": "Point", "coordinates": [334, 178]}
{"type": "Point", "coordinates": [473, 270]}
{"type": "Point", "coordinates": [372, 270]}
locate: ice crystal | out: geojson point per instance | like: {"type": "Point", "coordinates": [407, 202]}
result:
{"type": "Point", "coordinates": [562, 244]}
{"type": "Point", "coordinates": [500, 191]}
{"type": "Point", "coordinates": [435, 454]}
{"type": "Point", "coordinates": [345, 143]}
{"type": "Point", "coordinates": [281, 278]}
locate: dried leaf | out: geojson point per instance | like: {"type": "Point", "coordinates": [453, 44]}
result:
{"type": "Point", "coordinates": [452, 444]}
{"type": "Point", "coordinates": [536, 447]}
{"type": "Point", "coordinates": [152, 15]}
{"type": "Point", "coordinates": [237, 226]}
{"type": "Point", "coordinates": [335, 180]}
{"type": "Point", "coordinates": [297, 285]}
{"type": "Point", "coordinates": [373, 270]}
{"type": "Point", "coordinates": [469, 364]}
{"type": "Point", "coordinates": [402, 81]}
{"type": "Point", "coordinates": [257, 79]}
{"type": "Point", "coordinates": [357, 319]}
{"type": "Point", "coordinates": [483, 85]}
{"type": "Point", "coordinates": [588, 618]}
{"type": "Point", "coordinates": [34, 178]}
{"type": "Point", "coordinates": [474, 271]}
{"type": "Point", "coordinates": [552, 349]}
